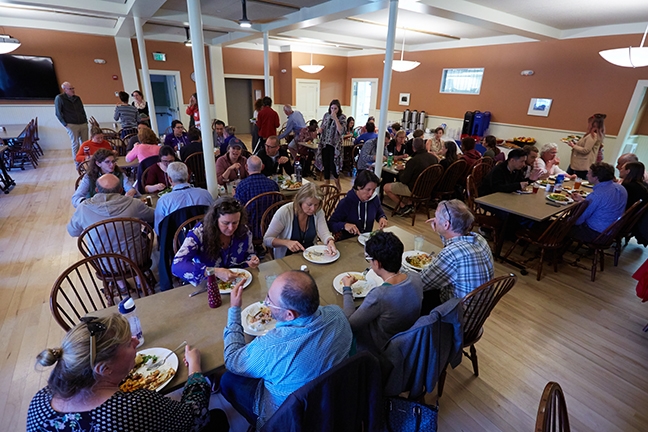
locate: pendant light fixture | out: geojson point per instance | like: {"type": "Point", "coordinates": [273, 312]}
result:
{"type": "Point", "coordinates": [404, 65]}
{"type": "Point", "coordinates": [244, 22]}
{"type": "Point", "coordinates": [311, 68]}
{"type": "Point", "coordinates": [188, 41]}
{"type": "Point", "coordinates": [628, 57]}
{"type": "Point", "coordinates": [8, 43]}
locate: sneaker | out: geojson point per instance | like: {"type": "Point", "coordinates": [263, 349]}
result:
{"type": "Point", "coordinates": [404, 211]}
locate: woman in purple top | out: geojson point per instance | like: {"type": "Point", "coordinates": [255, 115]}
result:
{"type": "Point", "coordinates": [222, 241]}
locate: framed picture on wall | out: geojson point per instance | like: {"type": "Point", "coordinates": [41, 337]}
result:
{"type": "Point", "coordinates": [403, 99]}
{"type": "Point", "coordinates": [539, 107]}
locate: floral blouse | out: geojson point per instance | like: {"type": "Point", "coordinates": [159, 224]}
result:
{"type": "Point", "coordinates": [136, 411]}
{"type": "Point", "coordinates": [191, 260]}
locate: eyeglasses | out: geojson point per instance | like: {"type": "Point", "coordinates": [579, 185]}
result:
{"type": "Point", "coordinates": [267, 302]}
{"type": "Point", "coordinates": [95, 328]}
{"type": "Point", "coordinates": [368, 257]}
{"type": "Point", "coordinates": [448, 212]}
{"type": "Point", "coordinates": [167, 162]}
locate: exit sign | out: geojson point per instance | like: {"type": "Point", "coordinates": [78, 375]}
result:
{"type": "Point", "coordinates": [158, 56]}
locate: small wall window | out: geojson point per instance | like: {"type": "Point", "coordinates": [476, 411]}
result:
{"type": "Point", "coordinates": [463, 81]}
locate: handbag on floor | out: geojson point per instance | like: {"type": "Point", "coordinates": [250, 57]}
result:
{"type": "Point", "coordinates": [404, 415]}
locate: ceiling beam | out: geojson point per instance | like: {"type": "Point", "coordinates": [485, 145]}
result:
{"type": "Point", "coordinates": [211, 22]}
{"type": "Point", "coordinates": [97, 6]}
{"type": "Point", "coordinates": [58, 26]}
{"type": "Point", "coordinates": [332, 38]}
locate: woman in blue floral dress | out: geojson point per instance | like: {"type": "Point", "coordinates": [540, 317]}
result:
{"type": "Point", "coordinates": [222, 241]}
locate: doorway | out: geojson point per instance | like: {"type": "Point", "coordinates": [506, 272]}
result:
{"type": "Point", "coordinates": [167, 98]}
{"type": "Point", "coordinates": [364, 93]}
{"type": "Point", "coordinates": [307, 99]}
{"type": "Point", "coordinates": [240, 106]}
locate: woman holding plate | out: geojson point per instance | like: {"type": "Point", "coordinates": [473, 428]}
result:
{"type": "Point", "coordinates": [221, 241]}
{"type": "Point", "coordinates": [390, 308]}
{"type": "Point", "coordinates": [585, 151]}
{"type": "Point", "coordinates": [296, 225]}
{"type": "Point", "coordinates": [83, 394]}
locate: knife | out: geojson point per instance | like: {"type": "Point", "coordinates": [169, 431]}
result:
{"type": "Point", "coordinates": [201, 290]}
{"type": "Point", "coordinates": [553, 205]}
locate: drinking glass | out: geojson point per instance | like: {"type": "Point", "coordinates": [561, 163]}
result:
{"type": "Point", "coordinates": [418, 243]}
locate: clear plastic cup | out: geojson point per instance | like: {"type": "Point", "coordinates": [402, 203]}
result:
{"type": "Point", "coordinates": [536, 186]}
{"type": "Point", "coordinates": [418, 243]}
{"type": "Point", "coordinates": [577, 183]}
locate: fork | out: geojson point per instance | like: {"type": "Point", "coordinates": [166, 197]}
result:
{"type": "Point", "coordinates": [159, 363]}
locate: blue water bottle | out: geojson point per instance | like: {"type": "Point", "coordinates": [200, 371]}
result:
{"type": "Point", "coordinates": [560, 179]}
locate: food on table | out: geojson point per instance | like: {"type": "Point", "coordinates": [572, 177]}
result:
{"type": "Point", "coordinates": [292, 184]}
{"type": "Point", "coordinates": [258, 320]}
{"type": "Point", "coordinates": [228, 285]}
{"type": "Point", "coordinates": [140, 380]}
{"type": "Point", "coordinates": [525, 140]}
{"type": "Point", "coordinates": [281, 179]}
{"type": "Point", "coordinates": [165, 191]}
{"type": "Point", "coordinates": [569, 138]}
{"type": "Point", "coordinates": [558, 197]}
{"type": "Point", "coordinates": [420, 260]}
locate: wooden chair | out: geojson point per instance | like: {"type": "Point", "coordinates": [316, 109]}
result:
{"type": "Point", "coordinates": [482, 219]}
{"type": "Point", "coordinates": [480, 170]}
{"type": "Point", "coordinates": [552, 411]}
{"type": "Point", "coordinates": [355, 153]}
{"type": "Point", "coordinates": [117, 145]}
{"type": "Point", "coordinates": [255, 209]}
{"type": "Point", "coordinates": [267, 218]}
{"type": "Point", "coordinates": [142, 185]}
{"type": "Point", "coordinates": [129, 237]}
{"type": "Point", "coordinates": [93, 123]}
{"type": "Point", "coordinates": [552, 238]}
{"type": "Point", "coordinates": [196, 164]}
{"type": "Point", "coordinates": [183, 230]}
{"type": "Point", "coordinates": [109, 133]}
{"type": "Point", "coordinates": [90, 285]}
{"type": "Point", "coordinates": [83, 167]}
{"type": "Point", "coordinates": [127, 138]}
{"type": "Point", "coordinates": [37, 147]}
{"type": "Point", "coordinates": [445, 188]}
{"type": "Point", "coordinates": [77, 182]}
{"type": "Point", "coordinates": [331, 199]}
{"type": "Point", "coordinates": [22, 148]}
{"type": "Point", "coordinates": [488, 161]}
{"type": "Point", "coordinates": [626, 232]}
{"type": "Point", "coordinates": [477, 307]}
{"type": "Point", "coordinates": [168, 130]}
{"type": "Point", "coordinates": [422, 190]}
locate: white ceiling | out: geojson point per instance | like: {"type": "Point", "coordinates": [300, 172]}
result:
{"type": "Point", "coordinates": [342, 27]}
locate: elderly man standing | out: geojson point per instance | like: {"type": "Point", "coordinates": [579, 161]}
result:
{"type": "Point", "coordinates": [294, 125]}
{"type": "Point", "coordinates": [255, 183]}
{"type": "Point", "coordinates": [464, 263]}
{"type": "Point", "coordinates": [275, 158]}
{"type": "Point", "coordinates": [72, 115]}
{"type": "Point", "coordinates": [182, 194]}
{"type": "Point", "coordinates": [308, 340]}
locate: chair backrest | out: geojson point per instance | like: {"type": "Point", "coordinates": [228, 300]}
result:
{"type": "Point", "coordinates": [93, 122]}
{"type": "Point", "coordinates": [141, 169]}
{"type": "Point", "coordinates": [555, 233]}
{"type": "Point", "coordinates": [36, 137]}
{"type": "Point", "coordinates": [331, 198]}
{"type": "Point", "coordinates": [168, 130]}
{"type": "Point", "coordinates": [488, 161]}
{"type": "Point", "coordinates": [196, 165]}
{"type": "Point", "coordinates": [607, 237]}
{"type": "Point", "coordinates": [552, 411]}
{"type": "Point", "coordinates": [255, 209]}
{"type": "Point", "coordinates": [83, 167]}
{"type": "Point", "coordinates": [633, 221]}
{"type": "Point", "coordinates": [471, 194]}
{"type": "Point", "coordinates": [127, 138]}
{"type": "Point", "coordinates": [425, 182]}
{"type": "Point", "coordinates": [451, 176]}
{"type": "Point", "coordinates": [479, 304]}
{"type": "Point", "coordinates": [92, 284]}
{"type": "Point", "coordinates": [480, 170]}
{"type": "Point", "coordinates": [78, 181]}
{"type": "Point", "coordinates": [183, 230]}
{"type": "Point", "coordinates": [269, 214]}
{"type": "Point", "coordinates": [109, 133]}
{"type": "Point", "coordinates": [355, 153]}
{"type": "Point", "coordinates": [129, 237]}
{"type": "Point", "coordinates": [117, 144]}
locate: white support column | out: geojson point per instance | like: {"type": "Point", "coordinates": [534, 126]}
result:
{"type": "Point", "coordinates": [127, 64]}
{"type": "Point", "coordinates": [386, 84]}
{"type": "Point", "coordinates": [146, 78]}
{"type": "Point", "coordinates": [218, 81]}
{"type": "Point", "coordinates": [266, 65]}
{"type": "Point", "coordinates": [202, 89]}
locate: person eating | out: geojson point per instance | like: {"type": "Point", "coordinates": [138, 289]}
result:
{"type": "Point", "coordinates": [232, 165]}
{"type": "Point", "coordinates": [147, 146]}
{"type": "Point", "coordinates": [156, 179]}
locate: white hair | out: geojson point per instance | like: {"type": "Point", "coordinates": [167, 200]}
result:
{"type": "Point", "coordinates": [547, 147]}
{"type": "Point", "coordinates": [178, 172]}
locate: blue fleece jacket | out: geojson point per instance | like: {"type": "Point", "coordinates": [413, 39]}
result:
{"type": "Point", "coordinates": [352, 210]}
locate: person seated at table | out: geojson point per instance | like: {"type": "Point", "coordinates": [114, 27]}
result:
{"type": "Point", "coordinates": [607, 202]}
{"type": "Point", "coordinates": [230, 134]}
{"type": "Point", "coordinates": [435, 143]}
{"type": "Point", "coordinates": [394, 128]}
{"type": "Point", "coordinates": [356, 213]}
{"type": "Point", "coordinates": [255, 183]}
{"type": "Point", "coordinates": [195, 144]}
{"type": "Point", "coordinates": [407, 177]}
{"type": "Point", "coordinates": [509, 176]}
{"type": "Point", "coordinates": [178, 137]}
{"type": "Point", "coordinates": [126, 114]}
{"type": "Point", "coordinates": [156, 179]}
{"type": "Point", "coordinates": [390, 308]}
{"type": "Point", "coordinates": [469, 154]}
{"type": "Point", "coordinates": [418, 133]}
{"type": "Point", "coordinates": [371, 120]}
{"type": "Point", "coordinates": [308, 340]}
{"type": "Point", "coordinates": [83, 394]}
{"type": "Point", "coordinates": [532, 155]}
{"type": "Point", "coordinates": [543, 164]}
{"type": "Point", "coordinates": [296, 225]}
{"type": "Point", "coordinates": [624, 159]}
{"type": "Point", "coordinates": [369, 135]}
{"type": "Point", "coordinates": [102, 162]}
{"type": "Point", "coordinates": [464, 263]}
{"type": "Point", "coordinates": [275, 158]}
{"type": "Point", "coordinates": [448, 153]}
{"type": "Point", "coordinates": [95, 143]}
{"type": "Point", "coordinates": [350, 126]}
{"type": "Point", "coordinates": [492, 151]}
{"type": "Point", "coordinates": [148, 146]}
{"type": "Point", "coordinates": [182, 193]}
{"type": "Point", "coordinates": [232, 165]}
{"type": "Point", "coordinates": [632, 176]}
{"type": "Point", "coordinates": [222, 241]}
{"type": "Point", "coordinates": [142, 124]}
{"type": "Point", "coordinates": [218, 134]}
{"type": "Point", "coordinates": [397, 146]}
{"type": "Point", "coordinates": [367, 155]}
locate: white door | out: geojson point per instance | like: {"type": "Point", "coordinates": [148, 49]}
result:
{"type": "Point", "coordinates": [308, 97]}
{"type": "Point", "coordinates": [364, 93]}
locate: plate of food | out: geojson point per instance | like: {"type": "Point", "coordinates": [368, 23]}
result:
{"type": "Point", "coordinates": [570, 138]}
{"type": "Point", "coordinates": [292, 184]}
{"type": "Point", "coordinates": [580, 192]}
{"type": "Point", "coordinates": [587, 184]}
{"type": "Point", "coordinates": [364, 283]}
{"type": "Point", "coordinates": [164, 191]}
{"type": "Point", "coordinates": [416, 260]}
{"type": "Point", "coordinates": [362, 238]}
{"type": "Point", "coordinates": [257, 319]}
{"type": "Point", "coordinates": [141, 378]}
{"type": "Point", "coordinates": [226, 287]}
{"type": "Point", "coordinates": [560, 198]}
{"type": "Point", "coordinates": [319, 255]}
{"type": "Point", "coordinates": [545, 182]}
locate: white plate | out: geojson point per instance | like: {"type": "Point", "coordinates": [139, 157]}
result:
{"type": "Point", "coordinates": [318, 255]}
{"type": "Point", "coordinates": [362, 287]}
{"type": "Point", "coordinates": [362, 238]}
{"type": "Point", "coordinates": [569, 200]}
{"type": "Point", "coordinates": [251, 329]}
{"type": "Point", "coordinates": [407, 254]}
{"type": "Point", "coordinates": [171, 362]}
{"type": "Point", "coordinates": [242, 274]}
{"type": "Point", "coordinates": [283, 186]}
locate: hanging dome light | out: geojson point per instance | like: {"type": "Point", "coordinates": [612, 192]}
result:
{"type": "Point", "coordinates": [311, 68]}
{"type": "Point", "coordinates": [628, 57]}
{"type": "Point", "coordinates": [404, 65]}
{"type": "Point", "coordinates": [8, 44]}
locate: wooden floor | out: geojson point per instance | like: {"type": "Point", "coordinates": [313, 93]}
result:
{"type": "Point", "coordinates": [587, 336]}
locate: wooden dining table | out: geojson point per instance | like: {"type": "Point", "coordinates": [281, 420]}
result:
{"type": "Point", "coordinates": [11, 131]}
{"type": "Point", "coordinates": [170, 317]}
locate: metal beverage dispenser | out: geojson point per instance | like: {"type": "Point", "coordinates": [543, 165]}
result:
{"type": "Point", "coordinates": [420, 123]}
{"type": "Point", "coordinates": [407, 115]}
{"type": "Point", "coordinates": [413, 119]}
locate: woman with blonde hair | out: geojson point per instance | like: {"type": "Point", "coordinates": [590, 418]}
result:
{"type": "Point", "coordinates": [146, 147]}
{"type": "Point", "coordinates": [585, 152]}
{"type": "Point", "coordinates": [296, 225]}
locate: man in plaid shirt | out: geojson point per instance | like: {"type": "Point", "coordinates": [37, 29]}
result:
{"type": "Point", "coordinates": [464, 263]}
{"type": "Point", "coordinates": [255, 183]}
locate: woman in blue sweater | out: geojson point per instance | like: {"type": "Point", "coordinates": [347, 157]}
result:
{"type": "Point", "coordinates": [356, 213]}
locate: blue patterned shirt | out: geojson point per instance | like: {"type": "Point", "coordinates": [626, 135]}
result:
{"type": "Point", "coordinates": [287, 357]}
{"type": "Point", "coordinates": [464, 263]}
{"type": "Point", "coordinates": [254, 185]}
{"type": "Point", "coordinates": [183, 195]}
{"type": "Point", "coordinates": [607, 202]}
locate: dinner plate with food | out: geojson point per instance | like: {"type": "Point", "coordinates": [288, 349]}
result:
{"type": "Point", "coordinates": [141, 378]}
{"type": "Point", "coordinates": [164, 191]}
{"type": "Point", "coordinates": [416, 260]}
{"type": "Point", "coordinates": [226, 287]}
{"type": "Point", "coordinates": [560, 198]}
{"type": "Point", "coordinates": [257, 319]}
{"type": "Point", "coordinates": [570, 138]}
{"type": "Point", "coordinates": [362, 286]}
{"type": "Point", "coordinates": [319, 255]}
{"type": "Point", "coordinates": [292, 184]}
{"type": "Point", "coordinates": [580, 192]}
{"type": "Point", "coordinates": [362, 238]}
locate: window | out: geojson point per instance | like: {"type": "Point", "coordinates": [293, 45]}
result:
{"type": "Point", "coordinates": [463, 81]}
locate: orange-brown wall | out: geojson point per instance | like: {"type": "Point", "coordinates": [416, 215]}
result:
{"type": "Point", "coordinates": [73, 55]}
{"type": "Point", "coordinates": [571, 72]}
{"type": "Point", "coordinates": [285, 81]}
{"type": "Point", "coordinates": [334, 79]}
{"type": "Point", "coordinates": [250, 62]}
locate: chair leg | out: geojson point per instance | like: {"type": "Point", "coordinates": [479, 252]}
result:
{"type": "Point", "coordinates": [617, 251]}
{"type": "Point", "coordinates": [441, 382]}
{"type": "Point", "coordinates": [594, 263]}
{"type": "Point", "coordinates": [473, 359]}
{"type": "Point", "coordinates": [508, 252]}
{"type": "Point", "coordinates": [397, 207]}
{"type": "Point", "coordinates": [542, 253]}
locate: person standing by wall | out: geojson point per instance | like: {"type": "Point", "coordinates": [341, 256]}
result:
{"type": "Point", "coordinates": [72, 115]}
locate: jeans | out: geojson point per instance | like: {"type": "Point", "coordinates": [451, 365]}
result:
{"type": "Point", "coordinates": [240, 391]}
{"type": "Point", "coordinates": [78, 134]}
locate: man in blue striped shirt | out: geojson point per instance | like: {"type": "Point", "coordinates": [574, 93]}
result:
{"type": "Point", "coordinates": [308, 340]}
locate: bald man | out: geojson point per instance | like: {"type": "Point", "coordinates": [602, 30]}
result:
{"type": "Point", "coordinates": [294, 125]}
{"type": "Point", "coordinates": [72, 115]}
{"type": "Point", "coordinates": [308, 340]}
{"type": "Point", "coordinates": [255, 183]}
{"type": "Point", "coordinates": [624, 159]}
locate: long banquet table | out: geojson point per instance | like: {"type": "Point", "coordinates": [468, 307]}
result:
{"type": "Point", "coordinates": [172, 316]}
